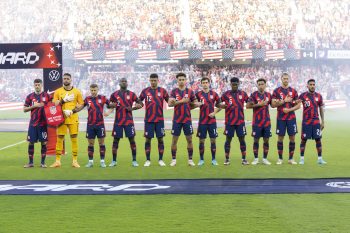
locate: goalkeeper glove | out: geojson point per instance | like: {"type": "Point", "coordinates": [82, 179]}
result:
{"type": "Point", "coordinates": [68, 98]}
{"type": "Point", "coordinates": [67, 113]}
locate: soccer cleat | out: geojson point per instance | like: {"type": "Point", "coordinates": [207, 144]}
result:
{"type": "Point", "coordinates": [89, 164]}
{"type": "Point", "coordinates": [43, 165]}
{"type": "Point", "coordinates": [191, 163]}
{"type": "Point", "coordinates": [75, 164]}
{"type": "Point", "coordinates": [161, 163]}
{"type": "Point", "coordinates": [214, 162]}
{"type": "Point", "coordinates": [134, 164]}
{"type": "Point", "coordinates": [266, 162]}
{"type": "Point", "coordinates": [103, 164]}
{"type": "Point", "coordinates": [173, 163]}
{"type": "Point", "coordinates": [56, 164]}
{"type": "Point", "coordinates": [147, 163]}
{"type": "Point", "coordinates": [28, 165]}
{"type": "Point", "coordinates": [245, 162]}
{"type": "Point", "coordinates": [201, 162]}
{"type": "Point", "coordinates": [302, 162]}
{"type": "Point", "coordinates": [227, 162]}
{"type": "Point", "coordinates": [255, 161]}
{"type": "Point", "coordinates": [113, 164]}
{"type": "Point", "coordinates": [292, 162]}
{"type": "Point", "coordinates": [279, 162]}
{"type": "Point", "coordinates": [321, 161]}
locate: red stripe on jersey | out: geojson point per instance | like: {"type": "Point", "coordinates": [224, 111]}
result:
{"type": "Point", "coordinates": [311, 103]}
{"type": "Point", "coordinates": [123, 100]}
{"type": "Point", "coordinates": [234, 113]}
{"type": "Point", "coordinates": [282, 93]}
{"type": "Point", "coordinates": [37, 115]}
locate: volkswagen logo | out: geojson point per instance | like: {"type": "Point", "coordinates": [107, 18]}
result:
{"type": "Point", "coordinates": [54, 75]}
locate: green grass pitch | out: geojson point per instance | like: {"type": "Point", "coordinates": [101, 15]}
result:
{"type": "Point", "coordinates": [181, 213]}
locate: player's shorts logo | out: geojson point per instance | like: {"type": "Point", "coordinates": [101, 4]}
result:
{"type": "Point", "coordinates": [54, 75]}
{"type": "Point", "coordinates": [53, 110]}
{"type": "Point", "coordinates": [44, 134]}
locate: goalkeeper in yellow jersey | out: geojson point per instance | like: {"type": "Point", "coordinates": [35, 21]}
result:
{"type": "Point", "coordinates": [71, 99]}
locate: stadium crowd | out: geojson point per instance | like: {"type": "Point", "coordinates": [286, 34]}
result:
{"type": "Point", "coordinates": [169, 24]}
{"type": "Point", "coordinates": [16, 84]}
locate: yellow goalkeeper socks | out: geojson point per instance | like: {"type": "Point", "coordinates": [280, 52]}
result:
{"type": "Point", "coordinates": [59, 148]}
{"type": "Point", "coordinates": [74, 148]}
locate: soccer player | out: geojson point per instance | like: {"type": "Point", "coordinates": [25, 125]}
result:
{"type": "Point", "coordinates": [123, 100]}
{"type": "Point", "coordinates": [95, 124]}
{"type": "Point", "coordinates": [285, 98]}
{"type": "Point", "coordinates": [259, 101]}
{"type": "Point", "coordinates": [37, 130]}
{"type": "Point", "coordinates": [154, 98]}
{"type": "Point", "coordinates": [312, 127]}
{"type": "Point", "coordinates": [208, 100]}
{"type": "Point", "coordinates": [71, 100]}
{"type": "Point", "coordinates": [181, 99]}
{"type": "Point", "coordinates": [233, 103]}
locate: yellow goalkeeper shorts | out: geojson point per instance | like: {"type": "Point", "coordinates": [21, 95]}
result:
{"type": "Point", "coordinates": [73, 129]}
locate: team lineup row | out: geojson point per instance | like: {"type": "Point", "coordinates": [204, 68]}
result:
{"type": "Point", "coordinates": [183, 99]}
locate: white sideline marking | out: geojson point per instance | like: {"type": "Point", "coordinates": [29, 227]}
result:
{"type": "Point", "coordinates": [3, 148]}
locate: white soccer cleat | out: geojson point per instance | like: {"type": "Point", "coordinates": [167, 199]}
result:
{"type": "Point", "coordinates": [173, 163]}
{"type": "Point", "coordinates": [191, 163]}
{"type": "Point", "coordinates": [279, 162]}
{"type": "Point", "coordinates": [292, 162]}
{"type": "Point", "coordinates": [321, 161]}
{"type": "Point", "coordinates": [255, 162]}
{"type": "Point", "coordinates": [161, 163]}
{"type": "Point", "coordinates": [227, 162]}
{"type": "Point", "coordinates": [266, 162]}
{"type": "Point", "coordinates": [302, 161]}
{"type": "Point", "coordinates": [147, 163]}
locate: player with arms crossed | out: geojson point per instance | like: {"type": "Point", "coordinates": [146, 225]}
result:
{"type": "Point", "coordinates": [37, 130]}
{"type": "Point", "coordinates": [259, 101]}
{"type": "Point", "coordinates": [182, 99]}
{"type": "Point", "coordinates": [122, 100]}
{"type": "Point", "coordinates": [285, 98]}
{"type": "Point", "coordinates": [71, 100]}
{"type": "Point", "coordinates": [312, 127]}
{"type": "Point", "coordinates": [154, 97]}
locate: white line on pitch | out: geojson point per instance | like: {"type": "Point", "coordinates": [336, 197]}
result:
{"type": "Point", "coordinates": [12, 145]}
